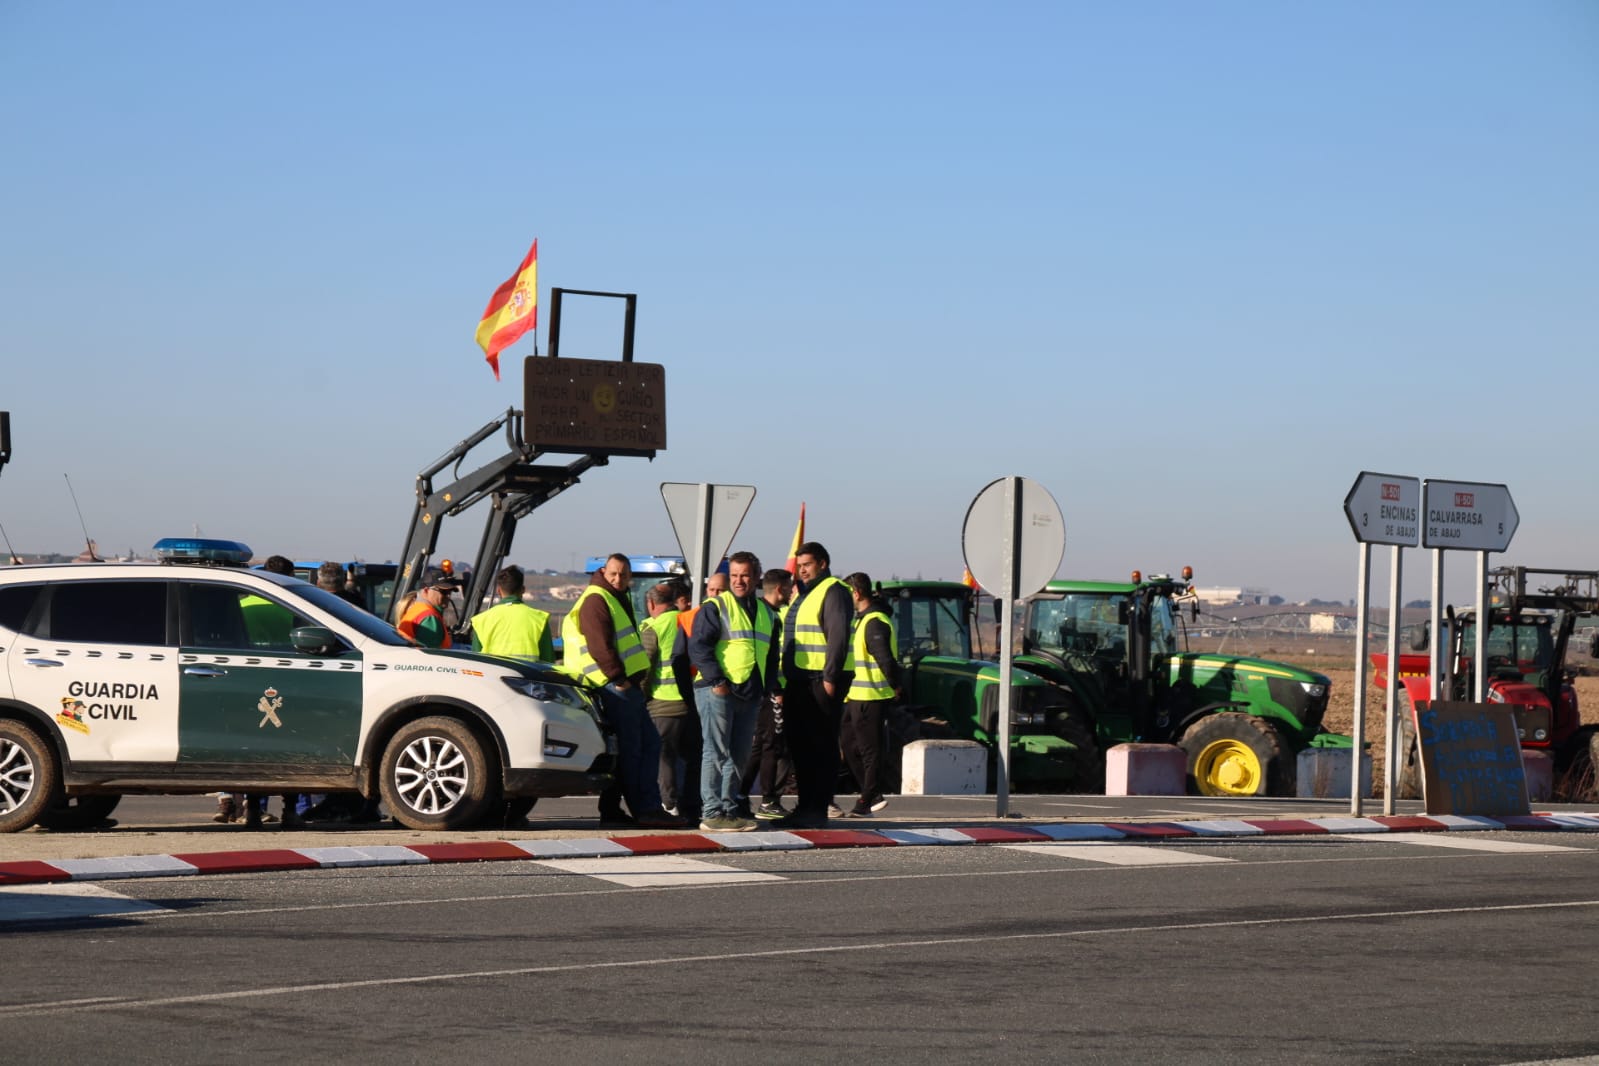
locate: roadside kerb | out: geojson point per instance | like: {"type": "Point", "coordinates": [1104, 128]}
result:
{"type": "Point", "coordinates": [268, 860]}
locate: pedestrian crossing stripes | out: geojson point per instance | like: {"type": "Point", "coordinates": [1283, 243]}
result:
{"type": "Point", "coordinates": [1119, 854]}
{"type": "Point", "coordinates": [66, 902]}
{"type": "Point", "coordinates": [656, 871]}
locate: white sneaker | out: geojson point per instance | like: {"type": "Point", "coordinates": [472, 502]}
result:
{"type": "Point", "coordinates": [672, 811]}
{"type": "Point", "coordinates": [835, 811]}
{"type": "Point", "coordinates": [880, 804]}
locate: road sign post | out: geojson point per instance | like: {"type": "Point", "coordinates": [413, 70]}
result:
{"type": "Point", "coordinates": [1465, 516]}
{"type": "Point", "coordinates": [705, 519]}
{"type": "Point", "coordinates": [1382, 509]}
{"type": "Point", "coordinates": [1012, 542]}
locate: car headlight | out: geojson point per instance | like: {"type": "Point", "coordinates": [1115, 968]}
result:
{"type": "Point", "coordinates": [546, 692]}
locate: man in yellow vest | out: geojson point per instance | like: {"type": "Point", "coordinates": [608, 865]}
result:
{"type": "Point", "coordinates": [511, 629]}
{"type": "Point", "coordinates": [665, 689]}
{"type": "Point", "coordinates": [815, 677]}
{"type": "Point", "coordinates": [733, 649]}
{"type": "Point", "coordinates": [600, 645]}
{"type": "Point", "coordinates": [875, 685]}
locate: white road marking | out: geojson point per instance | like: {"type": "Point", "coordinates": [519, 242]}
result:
{"type": "Point", "coordinates": [1118, 854]}
{"type": "Point", "coordinates": [65, 901]}
{"type": "Point", "coordinates": [1463, 843]}
{"type": "Point", "coordinates": [653, 871]}
{"type": "Point", "coordinates": [670, 961]}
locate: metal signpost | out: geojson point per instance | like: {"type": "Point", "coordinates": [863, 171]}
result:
{"type": "Point", "coordinates": [1382, 509]}
{"type": "Point", "coordinates": [1464, 516]}
{"type": "Point", "coordinates": [1013, 541]}
{"type": "Point", "coordinates": [705, 519]}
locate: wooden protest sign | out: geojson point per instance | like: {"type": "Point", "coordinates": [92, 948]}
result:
{"type": "Point", "coordinates": [1470, 759]}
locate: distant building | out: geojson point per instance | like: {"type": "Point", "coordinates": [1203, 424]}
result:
{"type": "Point", "coordinates": [1224, 595]}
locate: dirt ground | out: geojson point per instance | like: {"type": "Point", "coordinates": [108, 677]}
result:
{"type": "Point", "coordinates": [1340, 716]}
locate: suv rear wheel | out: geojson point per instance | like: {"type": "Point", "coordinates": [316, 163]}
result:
{"type": "Point", "coordinates": [436, 775]}
{"type": "Point", "coordinates": [29, 776]}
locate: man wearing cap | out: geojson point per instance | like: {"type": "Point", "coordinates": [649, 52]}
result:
{"type": "Point", "coordinates": [423, 620]}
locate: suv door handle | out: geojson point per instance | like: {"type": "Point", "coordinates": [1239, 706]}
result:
{"type": "Point", "coordinates": [204, 671]}
{"type": "Point", "coordinates": [42, 662]}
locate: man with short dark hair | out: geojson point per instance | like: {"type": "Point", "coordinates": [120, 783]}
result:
{"type": "Point", "coordinates": [733, 649]}
{"type": "Point", "coordinates": [768, 759]}
{"type": "Point", "coordinates": [815, 652]}
{"type": "Point", "coordinates": [511, 629]}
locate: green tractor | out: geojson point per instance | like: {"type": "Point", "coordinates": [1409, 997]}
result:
{"type": "Point", "coordinates": [1117, 654]}
{"type": "Point", "coordinates": [949, 694]}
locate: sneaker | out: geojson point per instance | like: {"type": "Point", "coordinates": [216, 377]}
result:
{"type": "Point", "coordinates": [737, 824]}
{"type": "Point", "coordinates": [659, 819]}
{"type": "Point", "coordinates": [717, 824]}
{"type": "Point", "coordinates": [861, 810]}
{"type": "Point", "coordinates": [879, 803]}
{"type": "Point", "coordinates": [616, 820]}
{"type": "Point", "coordinates": [672, 811]}
{"type": "Point", "coordinates": [799, 820]}
{"type": "Point", "coordinates": [774, 809]}
{"type": "Point", "coordinates": [835, 811]}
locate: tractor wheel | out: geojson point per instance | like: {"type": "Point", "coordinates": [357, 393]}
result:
{"type": "Point", "coordinates": [1088, 764]}
{"type": "Point", "coordinates": [1410, 785]}
{"type": "Point", "coordinates": [1579, 781]}
{"type": "Point", "coordinates": [1232, 754]}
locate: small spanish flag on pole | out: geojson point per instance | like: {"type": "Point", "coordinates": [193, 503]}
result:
{"type": "Point", "coordinates": [968, 580]}
{"type": "Point", "coordinates": [799, 538]}
{"type": "Point", "coordinates": [512, 310]}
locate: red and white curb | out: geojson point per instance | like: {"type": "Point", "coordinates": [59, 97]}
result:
{"type": "Point", "coordinates": [264, 860]}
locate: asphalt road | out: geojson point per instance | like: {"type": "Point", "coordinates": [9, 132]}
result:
{"type": "Point", "coordinates": [1446, 948]}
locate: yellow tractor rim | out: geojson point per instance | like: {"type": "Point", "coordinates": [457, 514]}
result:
{"type": "Point", "coordinates": [1228, 768]}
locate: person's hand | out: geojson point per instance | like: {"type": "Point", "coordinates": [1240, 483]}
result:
{"type": "Point", "coordinates": [828, 687]}
{"type": "Point", "coordinates": [622, 685]}
{"type": "Point", "coordinates": [722, 688]}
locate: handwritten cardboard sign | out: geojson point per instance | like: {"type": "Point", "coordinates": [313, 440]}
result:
{"type": "Point", "coordinates": [1471, 759]}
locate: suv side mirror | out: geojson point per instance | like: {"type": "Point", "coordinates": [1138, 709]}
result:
{"type": "Point", "coordinates": [315, 640]}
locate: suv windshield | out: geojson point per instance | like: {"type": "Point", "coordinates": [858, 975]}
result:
{"type": "Point", "coordinates": [369, 626]}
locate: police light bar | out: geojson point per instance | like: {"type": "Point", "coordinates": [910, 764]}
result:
{"type": "Point", "coordinates": [202, 550]}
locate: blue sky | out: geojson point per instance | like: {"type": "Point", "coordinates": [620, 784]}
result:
{"type": "Point", "coordinates": [1192, 266]}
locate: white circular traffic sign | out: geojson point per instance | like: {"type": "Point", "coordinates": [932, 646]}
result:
{"type": "Point", "coordinates": [1014, 537]}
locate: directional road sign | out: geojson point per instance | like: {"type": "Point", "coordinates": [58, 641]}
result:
{"type": "Point", "coordinates": [1385, 509]}
{"type": "Point", "coordinates": [1467, 515]}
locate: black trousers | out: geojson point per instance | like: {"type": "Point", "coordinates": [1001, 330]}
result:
{"type": "Point", "coordinates": [769, 755]}
{"type": "Point", "coordinates": [810, 721]}
{"type": "Point", "coordinates": [680, 740]}
{"type": "Point", "coordinates": [861, 737]}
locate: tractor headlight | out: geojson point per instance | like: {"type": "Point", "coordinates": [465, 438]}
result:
{"type": "Point", "coordinates": [1313, 689]}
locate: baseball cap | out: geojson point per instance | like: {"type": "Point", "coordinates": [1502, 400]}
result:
{"type": "Point", "coordinates": [438, 579]}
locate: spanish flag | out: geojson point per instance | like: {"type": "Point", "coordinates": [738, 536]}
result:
{"type": "Point", "coordinates": [512, 310]}
{"type": "Point", "coordinates": [799, 538]}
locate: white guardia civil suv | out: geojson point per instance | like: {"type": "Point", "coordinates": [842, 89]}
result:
{"type": "Point", "coordinates": [165, 678]}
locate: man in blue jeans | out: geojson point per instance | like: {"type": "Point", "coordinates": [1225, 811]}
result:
{"type": "Point", "coordinates": [732, 647]}
{"type": "Point", "coordinates": [600, 645]}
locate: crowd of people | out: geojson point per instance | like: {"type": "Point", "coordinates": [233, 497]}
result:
{"type": "Point", "coordinates": [719, 710]}
{"type": "Point", "coordinates": [766, 683]}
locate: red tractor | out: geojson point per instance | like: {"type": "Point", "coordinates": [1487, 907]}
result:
{"type": "Point", "coordinates": [1528, 633]}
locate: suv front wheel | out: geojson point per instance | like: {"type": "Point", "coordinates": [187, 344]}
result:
{"type": "Point", "coordinates": [436, 775]}
{"type": "Point", "coordinates": [29, 776]}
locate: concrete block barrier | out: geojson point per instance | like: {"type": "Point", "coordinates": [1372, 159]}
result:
{"type": "Point", "coordinates": [1146, 770]}
{"type": "Point", "coordinates": [944, 768]}
{"type": "Point", "coordinates": [1540, 769]}
{"type": "Point", "coordinates": [1324, 773]}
